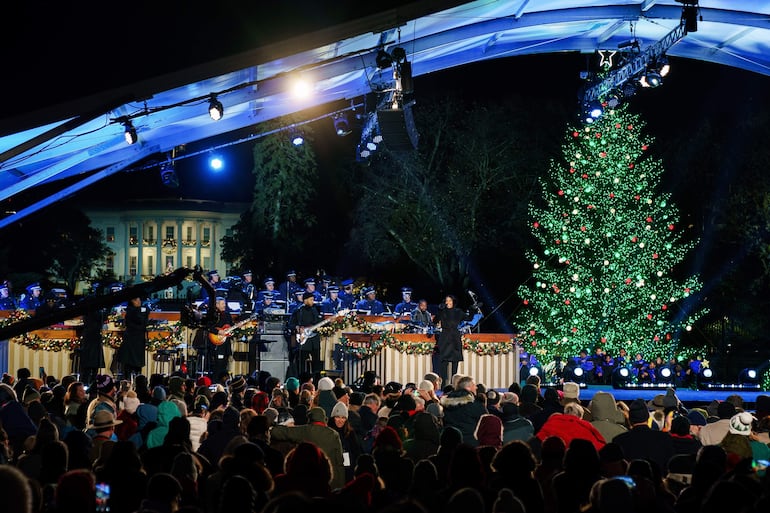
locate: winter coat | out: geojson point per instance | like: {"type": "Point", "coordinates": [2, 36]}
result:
{"type": "Point", "coordinates": [607, 418]}
{"type": "Point", "coordinates": [462, 411]}
{"type": "Point", "coordinates": [568, 427]}
{"type": "Point", "coordinates": [166, 411]}
{"type": "Point", "coordinates": [327, 439]}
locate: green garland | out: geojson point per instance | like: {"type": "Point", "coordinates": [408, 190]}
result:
{"type": "Point", "coordinates": [381, 340]}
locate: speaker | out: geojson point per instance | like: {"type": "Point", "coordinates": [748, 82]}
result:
{"type": "Point", "coordinates": [276, 347]}
{"type": "Point", "coordinates": [397, 128]}
{"type": "Point", "coordinates": [276, 368]}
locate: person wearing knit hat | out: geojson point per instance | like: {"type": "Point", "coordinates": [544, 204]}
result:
{"type": "Point", "coordinates": [30, 394]}
{"type": "Point", "coordinates": [641, 441]}
{"type": "Point", "coordinates": [237, 384]}
{"type": "Point", "coordinates": [571, 390]}
{"type": "Point", "coordinates": [509, 397]}
{"type": "Point", "coordinates": [203, 381]}
{"type": "Point", "coordinates": [736, 442]}
{"type": "Point", "coordinates": [130, 402]}
{"type": "Point", "coordinates": [340, 410]}
{"type": "Point", "coordinates": [697, 418]}
{"type": "Point", "coordinates": [292, 384]}
{"type": "Point", "coordinates": [740, 423]}
{"type": "Point", "coordinates": [341, 393]}
{"type": "Point", "coordinates": [489, 431]}
{"type": "Point", "coordinates": [158, 395]}
{"type": "Point", "coordinates": [325, 383]}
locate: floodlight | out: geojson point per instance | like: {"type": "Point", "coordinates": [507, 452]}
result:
{"type": "Point", "coordinates": [216, 110]}
{"type": "Point", "coordinates": [130, 132]}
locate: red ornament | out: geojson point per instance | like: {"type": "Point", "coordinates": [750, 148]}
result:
{"type": "Point", "coordinates": [687, 290]}
{"type": "Point", "coordinates": [571, 170]}
{"type": "Point", "coordinates": [533, 343]}
{"type": "Point", "coordinates": [617, 125]}
{"type": "Point", "coordinates": [649, 219]}
{"type": "Point", "coordinates": [628, 281]}
{"type": "Point", "coordinates": [582, 228]}
{"type": "Point", "coordinates": [532, 332]}
{"type": "Point", "coordinates": [644, 147]}
{"type": "Point", "coordinates": [560, 193]}
{"type": "Point", "coordinates": [526, 301]}
{"type": "Point", "coordinates": [649, 316]}
{"type": "Point", "coordinates": [536, 224]}
{"type": "Point", "coordinates": [634, 239]}
{"type": "Point", "coordinates": [604, 340]}
{"type": "Point", "coordinates": [603, 154]}
{"type": "Point", "coordinates": [558, 241]}
{"type": "Point", "coordinates": [630, 127]}
{"type": "Point", "coordinates": [655, 338]}
{"type": "Point", "coordinates": [637, 197]}
{"type": "Point", "coordinates": [612, 195]}
{"type": "Point", "coordinates": [566, 262]}
{"type": "Point", "coordinates": [654, 256]}
{"type": "Point", "coordinates": [574, 329]}
{"type": "Point", "coordinates": [598, 135]}
{"type": "Point", "coordinates": [671, 227]}
{"type": "Point", "coordinates": [589, 207]}
{"type": "Point", "coordinates": [566, 301]}
{"type": "Point", "coordinates": [575, 134]}
{"type": "Point", "coordinates": [664, 307]}
{"type": "Point", "coordinates": [668, 336]}
{"type": "Point", "coordinates": [584, 175]}
{"type": "Point", "coordinates": [631, 165]}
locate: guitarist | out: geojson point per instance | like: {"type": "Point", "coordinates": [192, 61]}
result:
{"type": "Point", "coordinates": [307, 315]}
{"type": "Point", "coordinates": [221, 352]}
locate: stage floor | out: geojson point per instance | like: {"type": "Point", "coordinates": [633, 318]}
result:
{"type": "Point", "coordinates": [690, 398]}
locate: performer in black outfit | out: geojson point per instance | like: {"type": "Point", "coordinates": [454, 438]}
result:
{"type": "Point", "coordinates": [304, 316]}
{"type": "Point", "coordinates": [449, 340]}
{"type": "Point", "coordinates": [219, 347]}
{"type": "Point", "coordinates": [131, 351]}
{"type": "Point", "coordinates": [91, 350]}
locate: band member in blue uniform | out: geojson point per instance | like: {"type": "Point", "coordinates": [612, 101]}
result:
{"type": "Point", "coordinates": [346, 294]}
{"type": "Point", "coordinates": [268, 286]}
{"type": "Point", "coordinates": [214, 280]}
{"type": "Point", "coordinates": [249, 291]}
{"type": "Point", "coordinates": [296, 301]}
{"type": "Point", "coordinates": [333, 303]}
{"type": "Point", "coordinates": [449, 340]}
{"type": "Point", "coordinates": [265, 303]}
{"type": "Point", "coordinates": [406, 306]}
{"type": "Point", "coordinates": [33, 299]}
{"type": "Point", "coordinates": [7, 302]}
{"type": "Point", "coordinates": [287, 289]}
{"type": "Point", "coordinates": [309, 350]}
{"type": "Point", "coordinates": [310, 287]}
{"type": "Point", "coordinates": [370, 304]}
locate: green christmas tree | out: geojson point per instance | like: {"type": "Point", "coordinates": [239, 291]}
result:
{"type": "Point", "coordinates": [610, 245]}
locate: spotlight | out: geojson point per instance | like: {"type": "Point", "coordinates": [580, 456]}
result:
{"type": "Point", "coordinates": [535, 371]}
{"type": "Point", "coordinates": [216, 162]}
{"type": "Point", "coordinates": [621, 377]}
{"type": "Point", "coordinates": [663, 66]}
{"type": "Point", "coordinates": [371, 146]}
{"type": "Point", "coordinates": [651, 79]}
{"type": "Point", "coordinates": [341, 124]}
{"type": "Point", "coordinates": [705, 377]}
{"type": "Point", "coordinates": [301, 89]}
{"type": "Point", "coordinates": [399, 55]}
{"type": "Point", "coordinates": [748, 376]}
{"type": "Point", "coordinates": [383, 59]}
{"type": "Point", "coordinates": [665, 375]}
{"type": "Point", "coordinates": [168, 175]}
{"type": "Point", "coordinates": [216, 110]}
{"type": "Point", "coordinates": [130, 132]}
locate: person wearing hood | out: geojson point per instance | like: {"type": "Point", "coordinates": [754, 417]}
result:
{"type": "Point", "coordinates": [325, 396]}
{"type": "Point", "coordinates": [167, 410]}
{"type": "Point", "coordinates": [461, 410]}
{"type": "Point", "coordinates": [607, 418]}
{"type": "Point", "coordinates": [176, 387]}
{"type": "Point", "coordinates": [426, 437]}
{"type": "Point", "coordinates": [220, 432]}
{"type": "Point", "coordinates": [128, 415]}
{"type": "Point", "coordinates": [146, 420]}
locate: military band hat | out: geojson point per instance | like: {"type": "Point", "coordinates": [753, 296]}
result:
{"type": "Point", "coordinates": [326, 279]}
{"type": "Point", "coordinates": [267, 294]}
{"type": "Point", "coordinates": [309, 281]}
{"type": "Point", "coordinates": [247, 272]}
{"type": "Point", "coordinates": [4, 285]}
{"type": "Point", "coordinates": [370, 290]}
{"type": "Point", "coordinates": [116, 286]}
{"type": "Point", "coordinates": [34, 286]}
{"type": "Point", "coordinates": [347, 282]}
{"type": "Point", "coordinates": [212, 273]}
{"type": "Point", "coordinates": [333, 288]}
{"type": "Point", "coordinates": [299, 292]}
{"type": "Point", "coordinates": [291, 273]}
{"type": "Point", "coordinates": [267, 280]}
{"type": "Point", "coordinates": [406, 290]}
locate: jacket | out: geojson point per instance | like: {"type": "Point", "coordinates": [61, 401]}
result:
{"type": "Point", "coordinates": [461, 410]}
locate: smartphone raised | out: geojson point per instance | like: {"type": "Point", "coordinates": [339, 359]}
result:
{"type": "Point", "coordinates": [102, 497]}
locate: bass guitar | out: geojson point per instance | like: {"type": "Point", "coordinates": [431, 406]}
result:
{"type": "Point", "coordinates": [219, 338]}
{"type": "Point", "coordinates": [304, 333]}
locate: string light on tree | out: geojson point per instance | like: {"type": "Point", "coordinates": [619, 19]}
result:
{"type": "Point", "coordinates": [603, 287]}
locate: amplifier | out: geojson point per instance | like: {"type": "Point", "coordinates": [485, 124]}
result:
{"type": "Point", "coordinates": [274, 327]}
{"type": "Point", "coordinates": [275, 346]}
{"type": "Point", "coordinates": [241, 356]}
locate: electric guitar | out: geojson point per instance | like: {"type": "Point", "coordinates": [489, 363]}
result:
{"type": "Point", "coordinates": [219, 338]}
{"type": "Point", "coordinates": [304, 333]}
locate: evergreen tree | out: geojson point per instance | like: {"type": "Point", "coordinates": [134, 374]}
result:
{"type": "Point", "coordinates": [607, 270]}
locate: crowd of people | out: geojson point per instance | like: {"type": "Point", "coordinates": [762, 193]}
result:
{"type": "Point", "coordinates": [260, 444]}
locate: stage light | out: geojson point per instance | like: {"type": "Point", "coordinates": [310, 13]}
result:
{"type": "Point", "coordinates": [130, 132]}
{"type": "Point", "coordinates": [383, 59]}
{"type": "Point", "coordinates": [705, 377]}
{"type": "Point", "coordinates": [341, 124]}
{"type": "Point", "coordinates": [216, 162]}
{"type": "Point", "coordinates": [621, 377]}
{"type": "Point", "coordinates": [535, 370]}
{"type": "Point", "coordinates": [216, 110]}
{"type": "Point", "coordinates": [651, 79]}
{"type": "Point", "coordinates": [663, 66]}
{"type": "Point", "coordinates": [168, 175]}
{"type": "Point", "coordinates": [296, 137]}
{"type": "Point", "coordinates": [301, 89]}
{"type": "Point", "coordinates": [748, 376]}
{"type": "Point", "coordinates": [665, 375]}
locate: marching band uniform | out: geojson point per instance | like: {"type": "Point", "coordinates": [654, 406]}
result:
{"type": "Point", "coordinates": [371, 304]}
{"type": "Point", "coordinates": [332, 304]}
{"type": "Point", "coordinates": [346, 295]}
{"type": "Point", "coordinates": [287, 289]}
{"type": "Point", "coordinates": [406, 306]}
{"type": "Point", "coordinates": [33, 299]}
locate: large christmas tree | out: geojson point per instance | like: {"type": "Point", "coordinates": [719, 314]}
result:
{"type": "Point", "coordinates": [610, 245]}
